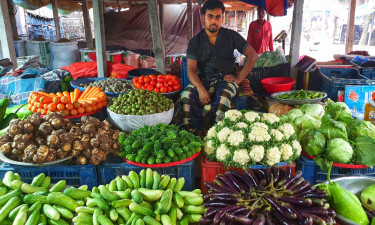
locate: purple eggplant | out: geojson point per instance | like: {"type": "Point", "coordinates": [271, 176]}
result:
{"type": "Point", "coordinates": [317, 201]}
{"type": "Point", "coordinates": [242, 177]}
{"type": "Point", "coordinates": [219, 215]}
{"type": "Point", "coordinates": [275, 174]}
{"type": "Point", "coordinates": [218, 194]}
{"type": "Point", "coordinates": [311, 195]}
{"type": "Point", "coordinates": [250, 174]}
{"type": "Point", "coordinates": [211, 186]}
{"type": "Point", "coordinates": [205, 220]}
{"type": "Point", "coordinates": [282, 220]}
{"type": "Point", "coordinates": [240, 187]}
{"type": "Point", "coordinates": [244, 220]}
{"type": "Point", "coordinates": [331, 212]}
{"type": "Point", "coordinates": [262, 184]}
{"type": "Point", "coordinates": [216, 204]}
{"type": "Point", "coordinates": [279, 208]}
{"type": "Point", "coordinates": [305, 185]}
{"type": "Point", "coordinates": [281, 175]}
{"type": "Point", "coordinates": [253, 209]}
{"type": "Point", "coordinates": [314, 210]}
{"type": "Point", "coordinates": [296, 201]}
{"type": "Point", "coordinates": [224, 221]}
{"type": "Point", "coordinates": [291, 179]}
{"type": "Point", "coordinates": [296, 183]}
{"type": "Point", "coordinates": [261, 219]}
{"type": "Point", "coordinates": [260, 174]}
{"type": "Point", "coordinates": [224, 199]}
{"type": "Point", "coordinates": [267, 215]}
{"type": "Point", "coordinates": [329, 220]}
{"type": "Point", "coordinates": [315, 218]}
{"type": "Point", "coordinates": [211, 212]}
{"type": "Point", "coordinates": [267, 173]}
{"type": "Point", "coordinates": [289, 208]}
{"type": "Point", "coordinates": [239, 211]}
{"type": "Point", "coordinates": [231, 217]}
{"type": "Point", "coordinates": [226, 181]}
{"type": "Point", "coordinates": [308, 221]}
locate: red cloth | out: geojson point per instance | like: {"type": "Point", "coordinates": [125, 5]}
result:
{"type": "Point", "coordinates": [89, 69]}
{"type": "Point", "coordinates": [260, 36]}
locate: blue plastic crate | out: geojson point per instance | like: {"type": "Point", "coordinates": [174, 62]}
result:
{"type": "Point", "coordinates": [312, 172]}
{"type": "Point", "coordinates": [368, 72]}
{"type": "Point", "coordinates": [333, 80]}
{"type": "Point", "coordinates": [116, 166]}
{"type": "Point", "coordinates": [74, 175]}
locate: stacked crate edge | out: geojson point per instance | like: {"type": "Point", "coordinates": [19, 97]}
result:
{"type": "Point", "coordinates": [74, 175]}
{"type": "Point", "coordinates": [115, 166]}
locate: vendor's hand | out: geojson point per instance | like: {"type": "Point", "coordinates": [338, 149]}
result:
{"type": "Point", "coordinates": [204, 96]}
{"type": "Point", "coordinates": [231, 78]}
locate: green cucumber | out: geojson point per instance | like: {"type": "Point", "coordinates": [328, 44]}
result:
{"type": "Point", "coordinates": [192, 209]}
{"type": "Point", "coordinates": [150, 195]}
{"type": "Point", "coordinates": [188, 194]}
{"type": "Point", "coordinates": [197, 191]}
{"type": "Point", "coordinates": [124, 212]}
{"type": "Point", "coordinates": [64, 212]}
{"type": "Point", "coordinates": [121, 203]}
{"type": "Point", "coordinates": [133, 176]}
{"type": "Point", "coordinates": [113, 215]}
{"type": "Point", "coordinates": [150, 221]}
{"type": "Point", "coordinates": [104, 220]}
{"type": "Point", "coordinates": [84, 187]}
{"type": "Point", "coordinates": [179, 185]}
{"type": "Point", "coordinates": [178, 200]}
{"type": "Point", "coordinates": [166, 220]}
{"type": "Point", "coordinates": [193, 218]}
{"type": "Point", "coordinates": [112, 186]}
{"type": "Point", "coordinates": [136, 196]}
{"type": "Point", "coordinates": [107, 194]}
{"type": "Point", "coordinates": [8, 207]}
{"type": "Point", "coordinates": [141, 209]}
{"type": "Point", "coordinates": [95, 216]}
{"type": "Point", "coordinates": [5, 198]}
{"type": "Point", "coordinates": [179, 214]}
{"type": "Point", "coordinates": [33, 198]}
{"type": "Point", "coordinates": [156, 178]}
{"type": "Point", "coordinates": [95, 202]}
{"type": "Point", "coordinates": [84, 209]}
{"type": "Point", "coordinates": [16, 177]}
{"type": "Point", "coordinates": [8, 178]}
{"type": "Point", "coordinates": [29, 189]}
{"type": "Point", "coordinates": [165, 201]}
{"type": "Point", "coordinates": [46, 182]}
{"type": "Point", "coordinates": [173, 215]}
{"type": "Point", "coordinates": [140, 222]}
{"type": "Point", "coordinates": [15, 211]}
{"type": "Point", "coordinates": [128, 182]}
{"type": "Point", "coordinates": [21, 218]}
{"type": "Point", "coordinates": [58, 222]}
{"type": "Point", "coordinates": [193, 201]}
{"type": "Point", "coordinates": [38, 180]}
{"type": "Point", "coordinates": [142, 176]}
{"type": "Point", "coordinates": [184, 220]}
{"type": "Point", "coordinates": [16, 184]}
{"type": "Point", "coordinates": [51, 212]}
{"type": "Point", "coordinates": [172, 183]}
{"type": "Point", "coordinates": [36, 207]}
{"type": "Point", "coordinates": [33, 218]}
{"type": "Point", "coordinates": [59, 186]}
{"type": "Point", "coordinates": [124, 194]}
{"type": "Point", "coordinates": [77, 194]}
{"type": "Point", "coordinates": [149, 179]}
{"type": "Point", "coordinates": [58, 198]}
{"type": "Point", "coordinates": [164, 182]}
{"type": "Point", "coordinates": [120, 183]}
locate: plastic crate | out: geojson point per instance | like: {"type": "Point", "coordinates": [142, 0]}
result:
{"type": "Point", "coordinates": [257, 74]}
{"type": "Point", "coordinates": [333, 80]}
{"type": "Point", "coordinates": [312, 172]}
{"type": "Point", "coordinates": [74, 175]}
{"type": "Point", "coordinates": [116, 166]}
{"type": "Point", "coordinates": [368, 72]}
{"type": "Point", "coordinates": [209, 170]}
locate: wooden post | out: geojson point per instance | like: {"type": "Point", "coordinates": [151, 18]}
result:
{"type": "Point", "coordinates": [254, 10]}
{"type": "Point", "coordinates": [12, 15]}
{"type": "Point", "coordinates": [350, 27]}
{"type": "Point", "coordinates": [101, 57]}
{"type": "Point", "coordinates": [157, 39]}
{"type": "Point", "coordinates": [56, 18]}
{"type": "Point", "coordinates": [296, 36]}
{"type": "Point", "coordinates": [189, 15]}
{"type": "Point", "coordinates": [6, 36]}
{"type": "Point", "coordinates": [161, 16]}
{"type": "Point", "coordinates": [118, 6]}
{"type": "Point", "coordinates": [87, 24]}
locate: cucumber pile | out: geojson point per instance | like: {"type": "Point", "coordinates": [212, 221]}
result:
{"type": "Point", "coordinates": [161, 143]}
{"type": "Point", "coordinates": [147, 198]}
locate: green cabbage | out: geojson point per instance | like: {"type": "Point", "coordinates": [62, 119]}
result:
{"type": "Point", "coordinates": [360, 128]}
{"type": "Point", "coordinates": [313, 142]}
{"type": "Point", "coordinates": [339, 150]}
{"type": "Point", "coordinates": [306, 122]}
{"type": "Point", "coordinates": [333, 129]}
{"type": "Point", "coordinates": [294, 113]}
{"type": "Point", "coordinates": [314, 110]}
{"type": "Point", "coordinates": [338, 111]}
{"type": "Point", "coordinates": [269, 59]}
{"type": "Point", "coordinates": [364, 151]}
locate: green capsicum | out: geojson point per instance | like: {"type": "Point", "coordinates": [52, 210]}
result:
{"type": "Point", "coordinates": [4, 103]}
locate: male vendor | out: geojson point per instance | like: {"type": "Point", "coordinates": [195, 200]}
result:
{"type": "Point", "coordinates": [215, 83]}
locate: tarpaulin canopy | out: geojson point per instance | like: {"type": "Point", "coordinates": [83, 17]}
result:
{"type": "Point", "coordinates": [65, 7]}
{"type": "Point", "coordinates": [272, 7]}
{"type": "Point", "coordinates": [131, 28]}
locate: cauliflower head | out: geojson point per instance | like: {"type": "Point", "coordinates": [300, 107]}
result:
{"type": "Point", "coordinates": [287, 129]}
{"type": "Point", "coordinates": [241, 156]}
{"type": "Point", "coordinates": [286, 151]}
{"type": "Point", "coordinates": [221, 152]}
{"type": "Point", "coordinates": [208, 147]}
{"type": "Point", "coordinates": [241, 125]}
{"type": "Point", "coordinates": [251, 116]}
{"type": "Point", "coordinates": [297, 146]}
{"type": "Point", "coordinates": [257, 153]}
{"type": "Point", "coordinates": [273, 156]}
{"type": "Point", "coordinates": [262, 125]}
{"type": "Point", "coordinates": [220, 123]}
{"type": "Point", "coordinates": [270, 117]}
{"type": "Point", "coordinates": [233, 114]}
{"type": "Point", "coordinates": [277, 134]}
{"type": "Point", "coordinates": [223, 134]}
{"type": "Point", "coordinates": [211, 132]}
{"type": "Point", "coordinates": [259, 134]}
{"type": "Point", "coordinates": [236, 138]}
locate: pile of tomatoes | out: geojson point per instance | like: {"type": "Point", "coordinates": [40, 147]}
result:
{"type": "Point", "coordinates": [159, 83]}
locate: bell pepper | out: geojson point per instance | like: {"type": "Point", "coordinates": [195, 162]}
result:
{"type": "Point", "coordinates": [22, 111]}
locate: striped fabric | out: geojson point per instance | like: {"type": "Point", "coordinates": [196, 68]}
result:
{"type": "Point", "coordinates": [195, 115]}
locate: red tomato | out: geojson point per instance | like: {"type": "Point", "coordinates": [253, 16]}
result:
{"type": "Point", "coordinates": [141, 80]}
{"type": "Point", "coordinates": [159, 85]}
{"type": "Point", "coordinates": [144, 87]}
{"type": "Point", "coordinates": [170, 83]}
{"type": "Point", "coordinates": [135, 80]}
{"type": "Point", "coordinates": [150, 88]}
{"type": "Point", "coordinates": [176, 82]}
{"type": "Point", "coordinates": [141, 77]}
{"type": "Point", "coordinates": [153, 82]}
{"type": "Point", "coordinates": [136, 85]}
{"type": "Point", "coordinates": [170, 89]}
{"type": "Point", "coordinates": [147, 79]}
{"type": "Point", "coordinates": [174, 78]}
{"type": "Point", "coordinates": [176, 87]}
{"type": "Point", "coordinates": [168, 77]}
{"type": "Point", "coordinates": [157, 89]}
{"type": "Point", "coordinates": [163, 89]}
{"type": "Point", "coordinates": [160, 79]}
{"type": "Point", "coordinates": [152, 77]}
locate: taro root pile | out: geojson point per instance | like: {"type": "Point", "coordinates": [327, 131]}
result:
{"type": "Point", "coordinates": [41, 140]}
{"type": "Point", "coordinates": [265, 196]}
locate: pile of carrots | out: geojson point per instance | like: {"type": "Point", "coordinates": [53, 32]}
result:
{"type": "Point", "coordinates": [78, 102]}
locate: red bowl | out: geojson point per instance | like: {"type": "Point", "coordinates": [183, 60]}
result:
{"type": "Point", "coordinates": [277, 84]}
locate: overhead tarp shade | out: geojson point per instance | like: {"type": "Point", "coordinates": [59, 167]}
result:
{"type": "Point", "coordinates": [272, 7]}
{"type": "Point", "coordinates": [31, 4]}
{"type": "Point", "coordinates": [131, 29]}
{"type": "Point", "coordinates": [65, 7]}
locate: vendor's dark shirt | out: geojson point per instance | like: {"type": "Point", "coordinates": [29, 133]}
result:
{"type": "Point", "coordinates": [216, 58]}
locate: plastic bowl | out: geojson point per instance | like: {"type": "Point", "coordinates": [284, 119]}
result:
{"type": "Point", "coordinates": [277, 84]}
{"type": "Point", "coordinates": [139, 72]}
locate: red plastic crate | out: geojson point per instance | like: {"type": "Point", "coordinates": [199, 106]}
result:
{"type": "Point", "coordinates": [211, 169]}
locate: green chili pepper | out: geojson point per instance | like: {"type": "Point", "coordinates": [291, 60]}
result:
{"type": "Point", "coordinates": [4, 103]}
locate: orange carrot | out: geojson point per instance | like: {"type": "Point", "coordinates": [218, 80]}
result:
{"type": "Point", "coordinates": [44, 93]}
{"type": "Point", "coordinates": [29, 107]}
{"type": "Point", "coordinates": [66, 112]}
{"type": "Point", "coordinates": [38, 110]}
{"type": "Point", "coordinates": [85, 92]}
{"type": "Point", "coordinates": [52, 107]}
{"type": "Point", "coordinates": [60, 107]}
{"type": "Point", "coordinates": [81, 110]}
{"type": "Point", "coordinates": [100, 105]}
{"type": "Point", "coordinates": [88, 109]}
{"type": "Point", "coordinates": [53, 95]}
{"type": "Point", "coordinates": [71, 97]}
{"type": "Point", "coordinates": [73, 112]}
{"type": "Point", "coordinates": [76, 105]}
{"type": "Point", "coordinates": [83, 103]}
{"type": "Point", "coordinates": [65, 93]}
{"type": "Point", "coordinates": [56, 100]}
{"type": "Point", "coordinates": [45, 100]}
{"type": "Point", "coordinates": [59, 94]}
{"type": "Point", "coordinates": [65, 99]}
{"type": "Point", "coordinates": [43, 111]}
{"type": "Point", "coordinates": [104, 103]}
{"type": "Point", "coordinates": [69, 106]}
{"type": "Point", "coordinates": [76, 94]}
{"type": "Point", "coordinates": [92, 92]}
{"type": "Point", "coordinates": [94, 108]}
{"type": "Point", "coordinates": [45, 106]}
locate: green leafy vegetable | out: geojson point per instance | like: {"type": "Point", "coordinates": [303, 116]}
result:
{"type": "Point", "coordinates": [339, 150]}
{"type": "Point", "coordinates": [313, 142]}
{"type": "Point", "coordinates": [294, 113]}
{"type": "Point", "coordinates": [364, 151]}
{"type": "Point", "coordinates": [333, 129]}
{"type": "Point", "coordinates": [314, 110]}
{"type": "Point", "coordinates": [358, 128]}
{"type": "Point", "coordinates": [338, 110]}
{"type": "Point", "coordinates": [307, 122]}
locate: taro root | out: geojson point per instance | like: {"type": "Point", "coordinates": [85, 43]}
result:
{"type": "Point", "coordinates": [86, 152]}
{"type": "Point", "coordinates": [82, 160]}
{"type": "Point", "coordinates": [14, 130]}
{"type": "Point", "coordinates": [75, 152]}
{"type": "Point", "coordinates": [76, 131]}
{"type": "Point", "coordinates": [94, 142]}
{"type": "Point", "coordinates": [61, 154]}
{"type": "Point", "coordinates": [98, 153]}
{"type": "Point", "coordinates": [88, 128]}
{"type": "Point", "coordinates": [106, 125]}
{"type": "Point", "coordinates": [105, 146]}
{"type": "Point", "coordinates": [77, 145]}
{"type": "Point", "coordinates": [21, 146]}
{"type": "Point", "coordinates": [66, 147]}
{"type": "Point", "coordinates": [28, 127]}
{"type": "Point", "coordinates": [116, 134]}
{"type": "Point", "coordinates": [57, 123]}
{"type": "Point", "coordinates": [14, 122]}
{"type": "Point", "coordinates": [90, 120]}
{"type": "Point", "coordinates": [53, 141]}
{"type": "Point", "coordinates": [26, 137]}
{"type": "Point", "coordinates": [35, 119]}
{"type": "Point", "coordinates": [51, 156]}
{"type": "Point", "coordinates": [102, 137]}
{"type": "Point", "coordinates": [68, 137]}
{"type": "Point", "coordinates": [41, 154]}
{"type": "Point", "coordinates": [29, 153]}
{"type": "Point", "coordinates": [17, 138]}
{"type": "Point", "coordinates": [5, 148]}
{"type": "Point", "coordinates": [115, 145]}
{"type": "Point", "coordinates": [17, 153]}
{"type": "Point", "coordinates": [59, 132]}
{"type": "Point", "coordinates": [45, 129]}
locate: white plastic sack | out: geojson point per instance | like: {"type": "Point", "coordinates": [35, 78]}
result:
{"type": "Point", "coordinates": [133, 122]}
{"type": "Point", "coordinates": [20, 48]}
{"type": "Point", "coordinates": [40, 48]}
{"type": "Point", "coordinates": [63, 54]}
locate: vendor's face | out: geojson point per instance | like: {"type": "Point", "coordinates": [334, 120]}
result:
{"type": "Point", "coordinates": [213, 20]}
{"type": "Point", "coordinates": [261, 13]}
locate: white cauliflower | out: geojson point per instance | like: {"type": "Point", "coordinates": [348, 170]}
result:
{"type": "Point", "coordinates": [287, 129]}
{"type": "Point", "coordinates": [297, 147]}
{"type": "Point", "coordinates": [221, 152]}
{"type": "Point", "coordinates": [273, 156]}
{"type": "Point", "coordinates": [241, 125]}
{"type": "Point", "coordinates": [211, 132]}
{"type": "Point", "coordinates": [223, 134]}
{"type": "Point", "coordinates": [241, 156]}
{"type": "Point", "coordinates": [262, 125]}
{"type": "Point", "coordinates": [236, 138]}
{"type": "Point", "coordinates": [277, 134]}
{"type": "Point", "coordinates": [286, 151]}
{"type": "Point", "coordinates": [220, 123]}
{"type": "Point", "coordinates": [251, 116]}
{"type": "Point", "coordinates": [270, 117]}
{"type": "Point", "coordinates": [259, 134]}
{"type": "Point", "coordinates": [233, 114]}
{"type": "Point", "coordinates": [208, 147]}
{"type": "Point", "coordinates": [257, 153]}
